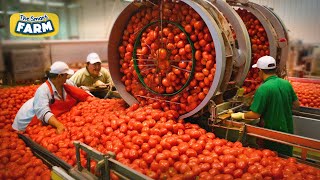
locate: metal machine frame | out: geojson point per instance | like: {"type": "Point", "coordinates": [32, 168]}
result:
{"type": "Point", "coordinates": [227, 54]}
{"type": "Point", "coordinates": [306, 144]}
{"type": "Point", "coordinates": [276, 31]}
{"type": "Point", "coordinates": [216, 120]}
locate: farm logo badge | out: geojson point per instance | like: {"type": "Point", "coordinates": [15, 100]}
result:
{"type": "Point", "coordinates": [34, 24]}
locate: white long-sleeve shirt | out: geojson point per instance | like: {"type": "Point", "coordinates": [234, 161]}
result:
{"type": "Point", "coordinates": [38, 105]}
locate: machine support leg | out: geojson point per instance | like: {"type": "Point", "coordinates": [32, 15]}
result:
{"type": "Point", "coordinates": [88, 162]}
{"type": "Point", "coordinates": [304, 154]}
{"type": "Point", "coordinates": [107, 166]}
{"type": "Point", "coordinates": [77, 145]}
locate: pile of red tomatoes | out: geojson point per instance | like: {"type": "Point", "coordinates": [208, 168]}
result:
{"type": "Point", "coordinates": [147, 139]}
{"type": "Point", "coordinates": [308, 93]}
{"type": "Point", "coordinates": [156, 143]}
{"type": "Point", "coordinates": [11, 99]}
{"type": "Point", "coordinates": [17, 160]}
{"type": "Point", "coordinates": [259, 47]}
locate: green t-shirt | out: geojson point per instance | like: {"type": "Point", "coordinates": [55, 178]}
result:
{"type": "Point", "coordinates": [274, 100]}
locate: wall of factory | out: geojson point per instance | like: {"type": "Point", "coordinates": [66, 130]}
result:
{"type": "Point", "coordinates": [96, 17]}
{"type": "Point", "coordinates": [300, 17]}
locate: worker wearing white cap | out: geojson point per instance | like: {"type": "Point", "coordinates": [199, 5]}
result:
{"type": "Point", "coordinates": [94, 78]}
{"type": "Point", "coordinates": [273, 102]}
{"type": "Point", "coordinates": [51, 99]}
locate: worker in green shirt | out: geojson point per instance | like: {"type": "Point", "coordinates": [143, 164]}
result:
{"type": "Point", "coordinates": [94, 78]}
{"type": "Point", "coordinates": [272, 103]}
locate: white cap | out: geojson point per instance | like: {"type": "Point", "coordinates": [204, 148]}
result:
{"type": "Point", "coordinates": [265, 62]}
{"type": "Point", "coordinates": [59, 67]}
{"type": "Point", "coordinates": [93, 58]}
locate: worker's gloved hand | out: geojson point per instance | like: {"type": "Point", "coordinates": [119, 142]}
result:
{"type": "Point", "coordinates": [237, 116]}
{"type": "Point", "coordinates": [99, 83]}
{"type": "Point", "coordinates": [113, 95]}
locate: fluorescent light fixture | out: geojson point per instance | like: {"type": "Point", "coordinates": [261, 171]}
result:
{"type": "Point", "coordinates": [8, 12]}
{"type": "Point", "coordinates": [53, 4]}
{"type": "Point", "coordinates": [73, 5]}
